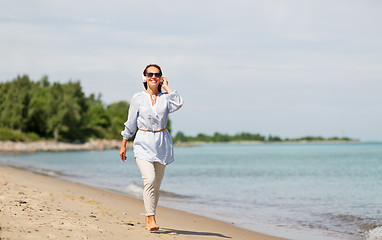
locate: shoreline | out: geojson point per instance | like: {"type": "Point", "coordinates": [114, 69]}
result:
{"type": "Point", "coordinates": [37, 146]}
{"type": "Point", "coordinates": [103, 144]}
{"type": "Point", "coordinates": [44, 207]}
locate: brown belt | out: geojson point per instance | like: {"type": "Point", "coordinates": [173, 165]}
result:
{"type": "Point", "coordinates": [162, 130]}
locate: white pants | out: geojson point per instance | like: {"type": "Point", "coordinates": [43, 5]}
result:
{"type": "Point", "coordinates": [152, 175]}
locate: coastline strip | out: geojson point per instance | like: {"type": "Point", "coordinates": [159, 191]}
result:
{"type": "Point", "coordinates": [30, 147]}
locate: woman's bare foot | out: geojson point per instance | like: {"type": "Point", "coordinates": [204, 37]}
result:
{"type": "Point", "coordinates": [150, 224]}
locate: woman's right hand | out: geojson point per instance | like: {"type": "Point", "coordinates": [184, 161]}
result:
{"type": "Point", "coordinates": [122, 153]}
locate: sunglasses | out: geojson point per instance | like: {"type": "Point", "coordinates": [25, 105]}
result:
{"type": "Point", "coordinates": [150, 75]}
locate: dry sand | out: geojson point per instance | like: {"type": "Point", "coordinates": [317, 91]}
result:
{"type": "Point", "coordinates": [34, 206]}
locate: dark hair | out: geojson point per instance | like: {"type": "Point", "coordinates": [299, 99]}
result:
{"type": "Point", "coordinates": [145, 71]}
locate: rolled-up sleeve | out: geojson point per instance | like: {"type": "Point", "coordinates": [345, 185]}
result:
{"type": "Point", "coordinates": [131, 123]}
{"type": "Point", "coordinates": [175, 101]}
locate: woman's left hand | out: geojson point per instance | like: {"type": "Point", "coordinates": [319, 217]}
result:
{"type": "Point", "coordinates": [164, 84]}
{"type": "Point", "coordinates": [164, 81]}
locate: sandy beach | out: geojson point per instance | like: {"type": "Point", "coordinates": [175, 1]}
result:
{"type": "Point", "coordinates": [34, 206]}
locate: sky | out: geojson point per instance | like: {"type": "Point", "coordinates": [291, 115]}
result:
{"type": "Point", "coordinates": [288, 68]}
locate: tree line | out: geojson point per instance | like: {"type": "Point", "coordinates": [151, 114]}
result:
{"type": "Point", "coordinates": [240, 137]}
{"type": "Point", "coordinates": [31, 110]}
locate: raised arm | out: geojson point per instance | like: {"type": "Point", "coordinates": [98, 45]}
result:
{"type": "Point", "coordinates": [165, 85]}
{"type": "Point", "coordinates": [175, 101]}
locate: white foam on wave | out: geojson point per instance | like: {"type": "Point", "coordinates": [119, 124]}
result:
{"type": "Point", "coordinates": [375, 234]}
{"type": "Point", "coordinates": [134, 189]}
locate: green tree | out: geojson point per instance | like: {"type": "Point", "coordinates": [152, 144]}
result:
{"type": "Point", "coordinates": [273, 138]}
{"type": "Point", "coordinates": [218, 137]}
{"type": "Point", "coordinates": [248, 137]}
{"type": "Point", "coordinates": [117, 113]}
{"type": "Point", "coordinates": [202, 138]}
{"type": "Point", "coordinates": [14, 101]}
{"type": "Point", "coordinates": [77, 107]}
{"type": "Point", "coordinates": [38, 108]}
{"type": "Point", "coordinates": [96, 120]}
{"type": "Point", "coordinates": [180, 137]}
{"type": "Point", "coordinates": [65, 110]}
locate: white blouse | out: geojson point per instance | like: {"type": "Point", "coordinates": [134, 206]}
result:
{"type": "Point", "coordinates": [152, 146]}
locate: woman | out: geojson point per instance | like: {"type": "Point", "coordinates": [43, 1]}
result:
{"type": "Point", "coordinates": [153, 148]}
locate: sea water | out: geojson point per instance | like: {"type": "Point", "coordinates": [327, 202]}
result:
{"type": "Point", "coordinates": [299, 191]}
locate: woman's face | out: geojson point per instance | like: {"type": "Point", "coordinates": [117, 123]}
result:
{"type": "Point", "coordinates": [152, 79]}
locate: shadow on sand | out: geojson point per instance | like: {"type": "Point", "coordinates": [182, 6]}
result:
{"type": "Point", "coordinates": [185, 232]}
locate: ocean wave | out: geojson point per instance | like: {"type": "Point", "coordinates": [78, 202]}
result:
{"type": "Point", "coordinates": [352, 224]}
{"type": "Point", "coordinates": [42, 171]}
{"type": "Point", "coordinates": [136, 190]}
{"type": "Point", "coordinates": [49, 172]}
{"type": "Point", "coordinates": [361, 222]}
{"type": "Point", "coordinates": [172, 195]}
{"type": "Point", "coordinates": [375, 234]}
